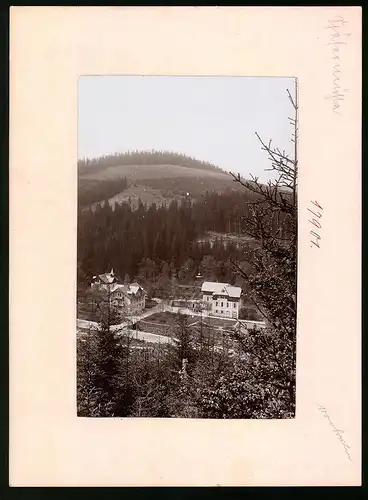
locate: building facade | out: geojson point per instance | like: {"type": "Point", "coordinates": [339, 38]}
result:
{"type": "Point", "coordinates": [128, 299]}
{"type": "Point", "coordinates": [222, 299]}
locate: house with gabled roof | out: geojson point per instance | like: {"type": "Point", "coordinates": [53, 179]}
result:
{"type": "Point", "coordinates": [222, 299]}
{"type": "Point", "coordinates": [103, 281]}
{"type": "Point", "coordinates": [127, 298]}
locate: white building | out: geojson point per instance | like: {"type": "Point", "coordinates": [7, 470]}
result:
{"type": "Point", "coordinates": [222, 299]}
{"type": "Point", "coordinates": [129, 298]}
{"type": "Point", "coordinates": [246, 325]}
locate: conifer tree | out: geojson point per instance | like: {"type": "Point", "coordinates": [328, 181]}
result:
{"type": "Point", "coordinates": [272, 286]}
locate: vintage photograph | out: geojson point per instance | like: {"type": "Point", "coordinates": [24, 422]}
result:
{"type": "Point", "coordinates": [187, 247]}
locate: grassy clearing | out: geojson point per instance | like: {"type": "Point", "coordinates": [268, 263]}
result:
{"type": "Point", "coordinates": [162, 318]}
{"type": "Point", "coordinates": [159, 323]}
{"type": "Point", "coordinates": [133, 194]}
{"type": "Point", "coordinates": [164, 323]}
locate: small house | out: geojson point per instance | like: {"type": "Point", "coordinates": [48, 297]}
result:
{"type": "Point", "coordinates": [128, 298]}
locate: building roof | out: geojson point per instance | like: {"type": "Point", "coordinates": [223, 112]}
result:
{"type": "Point", "coordinates": [135, 287]}
{"type": "Point", "coordinates": [221, 289]}
{"type": "Point", "coordinates": [127, 289]}
{"type": "Point", "coordinates": [117, 287]}
{"type": "Point", "coordinates": [111, 279]}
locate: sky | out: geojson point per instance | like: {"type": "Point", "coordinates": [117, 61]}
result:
{"type": "Point", "coordinates": [213, 119]}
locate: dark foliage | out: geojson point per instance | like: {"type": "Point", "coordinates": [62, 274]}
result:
{"type": "Point", "coordinates": [91, 191]}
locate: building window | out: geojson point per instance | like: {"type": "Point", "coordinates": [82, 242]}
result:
{"type": "Point", "coordinates": [234, 305]}
{"type": "Point", "coordinates": [227, 304]}
{"type": "Point", "coordinates": [216, 311]}
{"type": "Point", "coordinates": [216, 303]}
{"type": "Point", "coordinates": [222, 312]}
{"type": "Point", "coordinates": [222, 304]}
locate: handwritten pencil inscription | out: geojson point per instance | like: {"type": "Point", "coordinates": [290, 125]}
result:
{"type": "Point", "coordinates": [316, 222]}
{"type": "Point", "coordinates": [337, 431]}
{"type": "Point", "coordinates": [337, 38]}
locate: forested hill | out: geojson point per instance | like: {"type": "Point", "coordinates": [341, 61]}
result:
{"type": "Point", "coordinates": [151, 176]}
{"type": "Point", "coordinates": [168, 236]}
{"type": "Point", "coordinates": [89, 165]}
